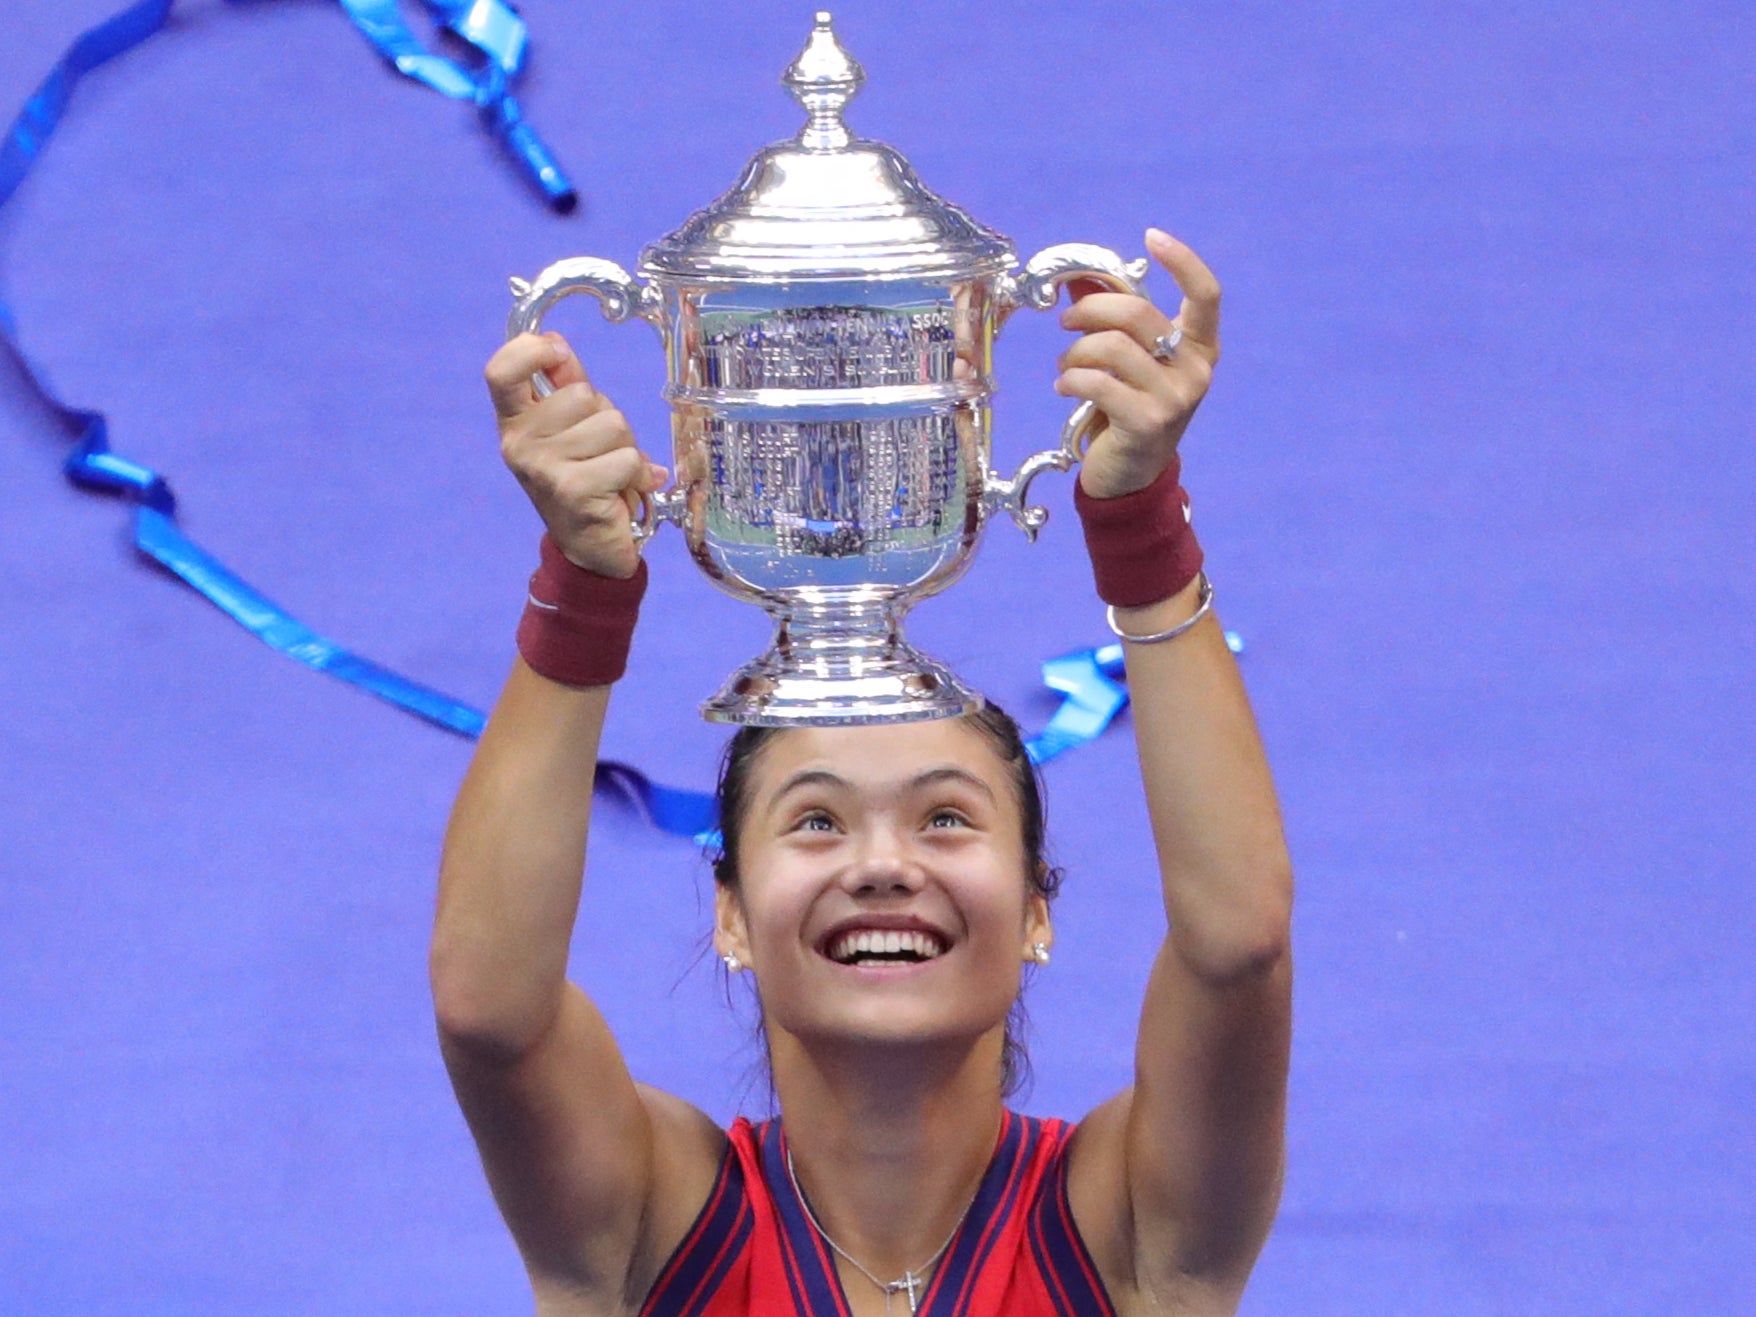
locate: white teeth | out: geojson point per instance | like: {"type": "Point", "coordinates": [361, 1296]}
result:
{"type": "Point", "coordinates": [862, 942]}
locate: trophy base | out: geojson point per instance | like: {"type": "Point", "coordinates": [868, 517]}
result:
{"type": "Point", "coordinates": [837, 668]}
{"type": "Point", "coordinates": [762, 695]}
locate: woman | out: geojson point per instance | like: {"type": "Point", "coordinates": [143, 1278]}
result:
{"type": "Point", "coordinates": [884, 886]}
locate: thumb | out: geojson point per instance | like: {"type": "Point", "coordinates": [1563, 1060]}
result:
{"type": "Point", "coordinates": [565, 367]}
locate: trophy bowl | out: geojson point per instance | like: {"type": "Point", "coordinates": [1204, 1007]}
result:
{"type": "Point", "coordinates": [828, 329]}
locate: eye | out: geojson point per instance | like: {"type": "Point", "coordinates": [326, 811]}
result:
{"type": "Point", "coordinates": [947, 818]}
{"type": "Point", "coordinates": [814, 820]}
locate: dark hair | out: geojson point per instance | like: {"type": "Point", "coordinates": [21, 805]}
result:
{"type": "Point", "coordinates": [990, 721]}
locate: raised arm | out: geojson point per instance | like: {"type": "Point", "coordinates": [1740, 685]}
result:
{"type": "Point", "coordinates": [1180, 1176]}
{"type": "Point", "coordinates": [596, 1176]}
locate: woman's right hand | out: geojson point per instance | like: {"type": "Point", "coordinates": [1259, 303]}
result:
{"type": "Point", "coordinates": [572, 452]}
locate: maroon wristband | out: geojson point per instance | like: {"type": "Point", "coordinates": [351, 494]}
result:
{"type": "Point", "coordinates": [1142, 547]}
{"type": "Point", "coordinates": [577, 625]}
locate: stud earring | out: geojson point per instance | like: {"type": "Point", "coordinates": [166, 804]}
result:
{"type": "Point", "coordinates": [733, 964]}
{"type": "Point", "coordinates": [1039, 952]}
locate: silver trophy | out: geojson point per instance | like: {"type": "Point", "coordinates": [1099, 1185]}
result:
{"type": "Point", "coordinates": [829, 329]}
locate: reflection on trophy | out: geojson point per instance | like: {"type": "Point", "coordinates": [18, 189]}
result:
{"type": "Point", "coordinates": [829, 327]}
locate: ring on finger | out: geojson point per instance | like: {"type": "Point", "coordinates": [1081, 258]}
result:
{"type": "Point", "coordinates": [1164, 347]}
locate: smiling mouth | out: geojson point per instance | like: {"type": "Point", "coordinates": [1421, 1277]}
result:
{"type": "Point", "coordinates": [862, 947]}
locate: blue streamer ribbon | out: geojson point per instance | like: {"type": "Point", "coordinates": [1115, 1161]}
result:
{"type": "Point", "coordinates": [493, 28]}
{"type": "Point", "coordinates": [1092, 695]}
{"type": "Point", "coordinates": [31, 129]}
{"type": "Point", "coordinates": [1089, 681]}
{"type": "Point", "coordinates": [93, 465]}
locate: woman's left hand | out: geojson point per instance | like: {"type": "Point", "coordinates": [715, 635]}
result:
{"type": "Point", "coordinates": [1146, 401]}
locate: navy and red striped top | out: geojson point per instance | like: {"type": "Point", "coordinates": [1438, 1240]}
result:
{"type": "Point", "coordinates": [1017, 1253]}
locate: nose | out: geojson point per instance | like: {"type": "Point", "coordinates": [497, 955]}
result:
{"type": "Point", "coordinates": [884, 866]}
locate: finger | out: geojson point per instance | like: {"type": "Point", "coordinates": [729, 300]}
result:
{"type": "Point", "coordinates": [1134, 316]}
{"type": "Point", "coordinates": [1200, 312]}
{"type": "Point", "coordinates": [508, 373]}
{"type": "Point", "coordinates": [1127, 407]}
{"type": "Point", "coordinates": [589, 437]}
{"type": "Point", "coordinates": [569, 370]}
{"type": "Point", "coordinates": [509, 370]}
{"type": "Point", "coordinates": [561, 411]}
{"type": "Point", "coordinates": [612, 474]}
{"type": "Point", "coordinates": [1119, 353]}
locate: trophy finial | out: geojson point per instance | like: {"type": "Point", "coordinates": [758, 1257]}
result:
{"type": "Point", "coordinates": [823, 79]}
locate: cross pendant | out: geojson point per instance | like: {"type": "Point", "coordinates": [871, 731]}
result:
{"type": "Point", "coordinates": [910, 1284]}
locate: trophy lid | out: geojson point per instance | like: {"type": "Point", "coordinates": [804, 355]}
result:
{"type": "Point", "coordinates": [827, 205]}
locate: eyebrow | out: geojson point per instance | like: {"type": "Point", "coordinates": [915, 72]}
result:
{"type": "Point", "coordinates": [820, 777]}
{"type": "Point", "coordinates": [932, 777]}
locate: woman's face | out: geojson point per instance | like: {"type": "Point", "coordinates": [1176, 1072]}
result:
{"type": "Point", "coordinates": [882, 893]}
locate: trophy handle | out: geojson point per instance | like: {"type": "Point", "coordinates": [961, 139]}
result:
{"type": "Point", "coordinates": [1037, 286]}
{"type": "Point", "coordinates": [622, 297]}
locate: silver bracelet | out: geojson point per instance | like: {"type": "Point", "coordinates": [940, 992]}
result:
{"type": "Point", "coordinates": [1202, 609]}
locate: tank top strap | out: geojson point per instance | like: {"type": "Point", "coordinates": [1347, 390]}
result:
{"type": "Point", "coordinates": [716, 1244]}
{"type": "Point", "coordinates": [792, 1248]}
{"type": "Point", "coordinates": [1062, 1260]}
{"type": "Point", "coordinates": [976, 1269]}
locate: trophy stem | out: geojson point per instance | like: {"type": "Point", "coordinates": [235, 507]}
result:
{"type": "Point", "coordinates": [839, 659]}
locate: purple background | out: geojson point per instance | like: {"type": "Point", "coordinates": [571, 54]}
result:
{"type": "Point", "coordinates": [1474, 481]}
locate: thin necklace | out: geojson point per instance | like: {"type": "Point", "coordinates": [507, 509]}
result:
{"type": "Point", "coordinates": [912, 1281]}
